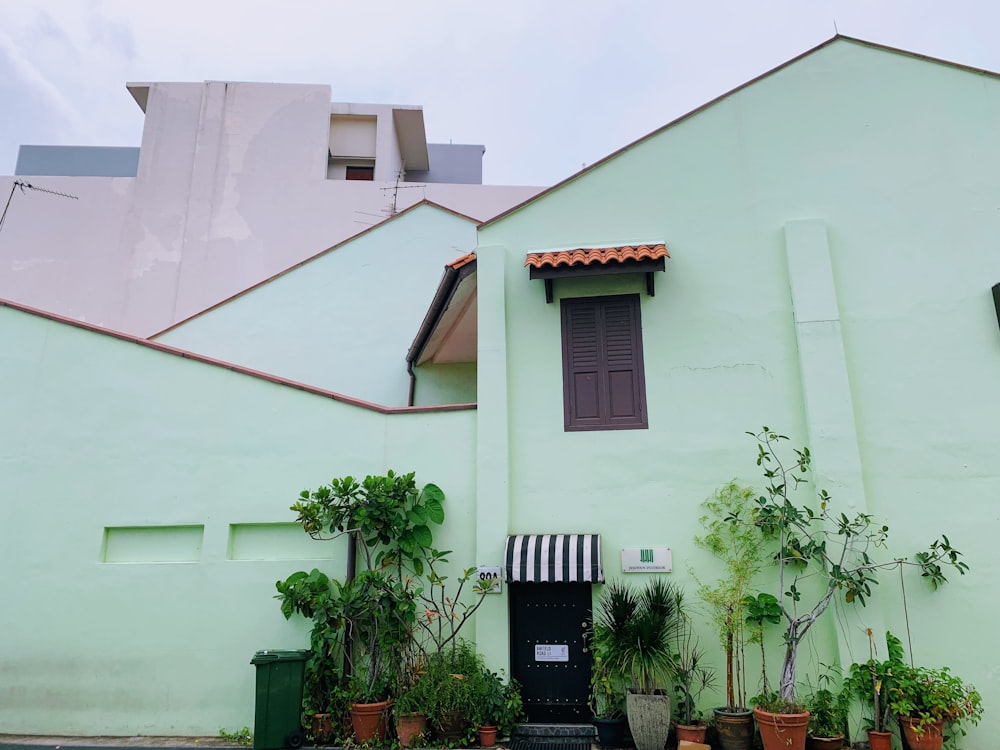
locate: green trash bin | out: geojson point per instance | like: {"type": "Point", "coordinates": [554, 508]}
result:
{"type": "Point", "coordinates": [278, 716]}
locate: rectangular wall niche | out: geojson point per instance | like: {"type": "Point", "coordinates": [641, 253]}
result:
{"type": "Point", "coordinates": [152, 544]}
{"type": "Point", "coordinates": [275, 541]}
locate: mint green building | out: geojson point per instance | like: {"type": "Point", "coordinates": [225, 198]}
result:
{"type": "Point", "coordinates": [814, 251]}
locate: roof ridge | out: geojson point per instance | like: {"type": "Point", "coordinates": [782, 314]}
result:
{"type": "Point", "coordinates": [736, 89]}
{"type": "Point", "coordinates": [310, 259]}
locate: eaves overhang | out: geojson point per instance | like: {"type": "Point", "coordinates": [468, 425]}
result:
{"type": "Point", "coordinates": [412, 137]}
{"type": "Point", "coordinates": [447, 334]}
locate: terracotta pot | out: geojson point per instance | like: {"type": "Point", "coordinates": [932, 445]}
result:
{"type": "Point", "coordinates": [825, 743]}
{"type": "Point", "coordinates": [879, 740]}
{"type": "Point", "coordinates": [409, 728]}
{"type": "Point", "coordinates": [735, 729]}
{"type": "Point", "coordinates": [368, 720]}
{"type": "Point", "coordinates": [691, 732]}
{"type": "Point", "coordinates": [782, 731]}
{"type": "Point", "coordinates": [930, 738]}
{"type": "Point", "coordinates": [487, 736]}
{"type": "Point", "coordinates": [610, 732]}
{"type": "Point", "coordinates": [321, 726]}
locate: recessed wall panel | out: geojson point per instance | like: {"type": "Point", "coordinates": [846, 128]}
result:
{"type": "Point", "coordinates": [275, 541]}
{"type": "Point", "coordinates": [152, 544]}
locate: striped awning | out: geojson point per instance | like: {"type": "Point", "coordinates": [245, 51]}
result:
{"type": "Point", "coordinates": [553, 558]}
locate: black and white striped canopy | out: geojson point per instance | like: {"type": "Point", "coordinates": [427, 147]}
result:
{"type": "Point", "coordinates": [553, 558]}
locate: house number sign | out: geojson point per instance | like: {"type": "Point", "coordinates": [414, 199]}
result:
{"type": "Point", "coordinates": [489, 578]}
{"type": "Point", "coordinates": [551, 652]}
{"type": "Point", "coordinates": [647, 560]}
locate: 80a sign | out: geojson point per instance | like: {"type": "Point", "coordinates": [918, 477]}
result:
{"type": "Point", "coordinates": [491, 577]}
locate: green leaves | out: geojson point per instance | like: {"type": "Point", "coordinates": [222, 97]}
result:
{"type": "Point", "coordinates": [762, 608]}
{"type": "Point", "coordinates": [432, 497]}
{"type": "Point", "coordinates": [634, 630]}
{"type": "Point", "coordinates": [939, 552]}
{"type": "Point", "coordinates": [838, 550]}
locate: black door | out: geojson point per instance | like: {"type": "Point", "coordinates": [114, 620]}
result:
{"type": "Point", "coordinates": [549, 623]}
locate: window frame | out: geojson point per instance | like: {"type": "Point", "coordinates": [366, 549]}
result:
{"type": "Point", "coordinates": [604, 369]}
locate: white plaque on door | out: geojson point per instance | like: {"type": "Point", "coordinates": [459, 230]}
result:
{"type": "Point", "coordinates": [551, 652]}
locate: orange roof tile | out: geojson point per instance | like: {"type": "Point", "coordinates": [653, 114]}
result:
{"type": "Point", "coordinates": [596, 255]}
{"type": "Point", "coordinates": [464, 260]}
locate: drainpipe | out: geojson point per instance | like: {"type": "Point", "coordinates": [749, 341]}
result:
{"type": "Point", "coordinates": [413, 383]}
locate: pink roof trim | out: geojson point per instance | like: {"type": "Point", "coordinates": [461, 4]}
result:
{"type": "Point", "coordinates": [173, 351]}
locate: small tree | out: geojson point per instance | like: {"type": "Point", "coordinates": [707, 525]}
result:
{"type": "Point", "coordinates": [732, 536]}
{"type": "Point", "coordinates": [835, 550]}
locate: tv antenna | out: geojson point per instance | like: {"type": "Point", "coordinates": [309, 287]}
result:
{"type": "Point", "coordinates": [27, 185]}
{"type": "Point", "coordinates": [392, 210]}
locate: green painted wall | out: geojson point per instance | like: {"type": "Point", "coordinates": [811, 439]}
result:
{"type": "Point", "coordinates": [345, 320]}
{"type": "Point", "coordinates": [104, 439]}
{"type": "Point", "coordinates": [445, 384]}
{"type": "Point", "coordinates": [898, 159]}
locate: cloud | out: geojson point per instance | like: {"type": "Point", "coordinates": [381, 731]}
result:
{"type": "Point", "coordinates": [112, 35]}
{"type": "Point", "coordinates": [18, 65]}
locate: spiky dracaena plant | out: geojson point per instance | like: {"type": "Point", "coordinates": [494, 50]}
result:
{"type": "Point", "coordinates": [636, 630]}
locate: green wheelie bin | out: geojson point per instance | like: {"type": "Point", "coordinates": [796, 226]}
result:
{"type": "Point", "coordinates": [278, 716]}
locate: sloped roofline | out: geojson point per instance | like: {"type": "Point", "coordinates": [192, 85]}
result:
{"type": "Point", "coordinates": [311, 258]}
{"type": "Point", "coordinates": [174, 351]}
{"type": "Point", "coordinates": [614, 154]}
{"type": "Point", "coordinates": [454, 274]}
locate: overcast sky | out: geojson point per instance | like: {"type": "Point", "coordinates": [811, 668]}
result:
{"type": "Point", "coordinates": [547, 85]}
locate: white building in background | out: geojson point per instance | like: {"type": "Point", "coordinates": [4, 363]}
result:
{"type": "Point", "coordinates": [233, 183]}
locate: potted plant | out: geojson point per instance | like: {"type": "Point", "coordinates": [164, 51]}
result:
{"type": "Point", "coordinates": [512, 712]}
{"type": "Point", "coordinates": [607, 701]}
{"type": "Point", "coordinates": [635, 629]}
{"type": "Point", "coordinates": [740, 546]}
{"type": "Point", "coordinates": [834, 550]}
{"type": "Point", "coordinates": [827, 719]}
{"type": "Point", "coordinates": [693, 677]}
{"type": "Point", "coordinates": [927, 701]}
{"type": "Point", "coordinates": [451, 677]}
{"type": "Point", "coordinates": [782, 721]}
{"type": "Point", "coordinates": [325, 695]}
{"type": "Point", "coordinates": [869, 682]}
{"type": "Point", "coordinates": [411, 707]}
{"type": "Point", "coordinates": [498, 706]}
{"type": "Point", "coordinates": [489, 704]}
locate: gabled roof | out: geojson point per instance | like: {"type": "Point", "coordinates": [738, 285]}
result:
{"type": "Point", "coordinates": [312, 258]}
{"type": "Point", "coordinates": [721, 97]}
{"type": "Point", "coordinates": [174, 351]}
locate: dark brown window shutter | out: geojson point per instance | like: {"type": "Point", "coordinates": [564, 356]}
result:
{"type": "Point", "coordinates": [603, 380]}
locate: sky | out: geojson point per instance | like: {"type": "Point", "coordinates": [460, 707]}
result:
{"type": "Point", "coordinates": [548, 86]}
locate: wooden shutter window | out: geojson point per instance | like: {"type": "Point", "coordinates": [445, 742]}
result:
{"type": "Point", "coordinates": [603, 381]}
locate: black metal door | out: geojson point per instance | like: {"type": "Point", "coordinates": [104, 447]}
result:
{"type": "Point", "coordinates": [549, 623]}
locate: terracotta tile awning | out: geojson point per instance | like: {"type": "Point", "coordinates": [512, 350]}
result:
{"type": "Point", "coordinates": [597, 261]}
{"type": "Point", "coordinates": [596, 256]}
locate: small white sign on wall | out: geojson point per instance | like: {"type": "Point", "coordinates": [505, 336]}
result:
{"type": "Point", "coordinates": [551, 652]}
{"type": "Point", "coordinates": [490, 577]}
{"type": "Point", "coordinates": [647, 560]}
